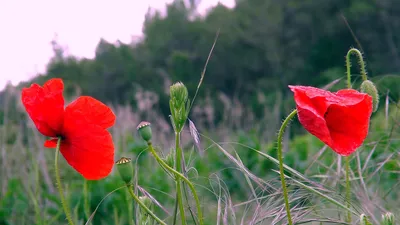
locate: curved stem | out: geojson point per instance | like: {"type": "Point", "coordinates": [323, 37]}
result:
{"type": "Point", "coordinates": [64, 203]}
{"type": "Point", "coordinates": [136, 198]}
{"type": "Point", "coordinates": [181, 176]}
{"type": "Point", "coordinates": [348, 190]}
{"type": "Point", "coordinates": [347, 160]}
{"type": "Point", "coordinates": [360, 61]}
{"type": "Point", "coordinates": [280, 158]}
{"type": "Point", "coordinates": [178, 167]}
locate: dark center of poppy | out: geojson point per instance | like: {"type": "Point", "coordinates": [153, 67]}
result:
{"type": "Point", "coordinates": [61, 136]}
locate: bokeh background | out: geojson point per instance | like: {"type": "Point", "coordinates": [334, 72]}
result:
{"type": "Point", "coordinates": [262, 47]}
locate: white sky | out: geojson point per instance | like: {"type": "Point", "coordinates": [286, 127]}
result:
{"type": "Point", "coordinates": [28, 26]}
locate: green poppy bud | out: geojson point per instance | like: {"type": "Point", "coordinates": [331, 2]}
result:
{"type": "Point", "coordinates": [369, 88]}
{"type": "Point", "coordinates": [125, 169]}
{"type": "Point", "coordinates": [388, 219]}
{"type": "Point", "coordinates": [146, 201]}
{"type": "Point", "coordinates": [179, 105]}
{"type": "Point", "coordinates": [364, 220]}
{"type": "Point", "coordinates": [179, 94]}
{"type": "Point", "coordinates": [169, 159]}
{"type": "Point", "coordinates": [145, 130]}
{"type": "Point", "coordinates": [144, 216]}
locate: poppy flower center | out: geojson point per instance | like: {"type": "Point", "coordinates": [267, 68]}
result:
{"type": "Point", "coordinates": [61, 136]}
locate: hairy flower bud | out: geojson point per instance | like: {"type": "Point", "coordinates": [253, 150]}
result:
{"type": "Point", "coordinates": [179, 94]}
{"type": "Point", "coordinates": [144, 129]}
{"type": "Point", "coordinates": [388, 219]}
{"type": "Point", "coordinates": [125, 169]}
{"type": "Point", "coordinates": [146, 201]}
{"type": "Point", "coordinates": [179, 105]}
{"type": "Point", "coordinates": [170, 159]}
{"type": "Point", "coordinates": [369, 88]}
{"type": "Point", "coordinates": [144, 216]}
{"type": "Point", "coordinates": [364, 220]}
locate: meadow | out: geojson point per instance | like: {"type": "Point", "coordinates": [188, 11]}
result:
{"type": "Point", "coordinates": [234, 167]}
{"type": "Point", "coordinates": [247, 156]}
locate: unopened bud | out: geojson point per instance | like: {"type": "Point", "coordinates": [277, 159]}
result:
{"type": "Point", "coordinates": [179, 94]}
{"type": "Point", "coordinates": [369, 88]}
{"type": "Point", "coordinates": [388, 219]}
{"type": "Point", "coordinates": [145, 130]}
{"type": "Point", "coordinates": [144, 216]}
{"type": "Point", "coordinates": [146, 201]}
{"type": "Point", "coordinates": [125, 169]}
{"type": "Point", "coordinates": [169, 159]}
{"type": "Point", "coordinates": [364, 220]}
{"type": "Point", "coordinates": [179, 105]}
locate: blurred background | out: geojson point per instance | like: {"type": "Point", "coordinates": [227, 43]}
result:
{"type": "Point", "coordinates": [128, 53]}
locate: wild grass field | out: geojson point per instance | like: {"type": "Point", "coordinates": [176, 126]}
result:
{"type": "Point", "coordinates": [233, 166]}
{"type": "Point", "coordinates": [243, 160]}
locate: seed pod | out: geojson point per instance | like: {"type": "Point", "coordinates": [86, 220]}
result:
{"type": "Point", "coordinates": [144, 129]}
{"type": "Point", "coordinates": [125, 169]}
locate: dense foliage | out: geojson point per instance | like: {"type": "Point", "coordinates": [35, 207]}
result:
{"type": "Point", "coordinates": [262, 47]}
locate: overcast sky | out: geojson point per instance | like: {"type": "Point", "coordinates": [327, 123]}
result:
{"type": "Point", "coordinates": [28, 26]}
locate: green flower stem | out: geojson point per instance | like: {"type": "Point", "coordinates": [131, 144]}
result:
{"type": "Point", "coordinates": [348, 189]}
{"type": "Point", "coordinates": [176, 173]}
{"type": "Point", "coordinates": [86, 204]}
{"type": "Point", "coordinates": [178, 167]}
{"type": "Point", "coordinates": [141, 204]}
{"type": "Point", "coordinates": [280, 158]}
{"type": "Point", "coordinates": [364, 78]}
{"type": "Point", "coordinates": [360, 61]}
{"type": "Point", "coordinates": [64, 203]}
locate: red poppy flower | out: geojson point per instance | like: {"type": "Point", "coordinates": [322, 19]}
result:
{"type": "Point", "coordinates": [86, 144]}
{"type": "Point", "coordinates": [339, 119]}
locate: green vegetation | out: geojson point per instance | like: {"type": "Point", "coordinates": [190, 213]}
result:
{"type": "Point", "coordinates": [263, 46]}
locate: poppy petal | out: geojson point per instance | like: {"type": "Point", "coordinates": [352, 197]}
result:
{"type": "Point", "coordinates": [91, 111]}
{"type": "Point", "coordinates": [45, 106]}
{"type": "Point", "coordinates": [52, 143]}
{"type": "Point", "coordinates": [89, 150]}
{"type": "Point", "coordinates": [87, 147]}
{"type": "Point", "coordinates": [348, 122]}
{"type": "Point", "coordinates": [340, 120]}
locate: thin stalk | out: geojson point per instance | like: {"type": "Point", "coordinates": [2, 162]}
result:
{"type": "Point", "coordinates": [181, 176]}
{"type": "Point", "coordinates": [64, 203]}
{"type": "Point", "coordinates": [175, 208]}
{"type": "Point", "coordinates": [348, 190]}
{"type": "Point", "coordinates": [280, 158]}
{"type": "Point", "coordinates": [141, 204]}
{"type": "Point", "coordinates": [178, 167]}
{"type": "Point", "coordinates": [364, 78]}
{"type": "Point", "coordinates": [360, 61]}
{"type": "Point", "coordinates": [130, 211]}
{"type": "Point", "coordinates": [86, 205]}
